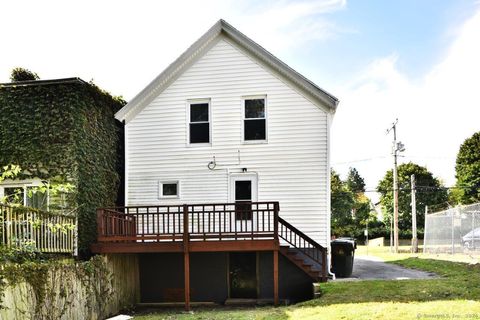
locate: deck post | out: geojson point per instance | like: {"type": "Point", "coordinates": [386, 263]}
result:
{"type": "Point", "coordinates": [275, 277]}
{"type": "Point", "coordinates": [186, 257]}
{"type": "Point", "coordinates": [276, 209]}
{"type": "Point", "coordinates": [100, 227]}
{"type": "Point", "coordinates": [324, 265]}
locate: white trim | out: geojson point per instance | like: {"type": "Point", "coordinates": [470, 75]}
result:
{"type": "Point", "coordinates": [247, 176]}
{"type": "Point", "coordinates": [210, 136]}
{"type": "Point", "coordinates": [125, 169]}
{"type": "Point", "coordinates": [24, 184]}
{"type": "Point", "coordinates": [329, 205]}
{"type": "Point", "coordinates": [160, 189]}
{"type": "Point", "coordinates": [252, 97]}
{"type": "Point", "coordinates": [222, 29]}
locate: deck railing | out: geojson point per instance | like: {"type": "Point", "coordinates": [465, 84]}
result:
{"type": "Point", "coordinates": [204, 222]}
{"type": "Point", "coordinates": [303, 243]}
{"type": "Point", "coordinates": [37, 230]}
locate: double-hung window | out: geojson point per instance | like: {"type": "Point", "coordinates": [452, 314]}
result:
{"type": "Point", "coordinates": [199, 124]}
{"type": "Point", "coordinates": [255, 119]}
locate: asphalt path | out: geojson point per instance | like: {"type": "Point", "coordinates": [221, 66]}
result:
{"type": "Point", "coordinates": [374, 268]}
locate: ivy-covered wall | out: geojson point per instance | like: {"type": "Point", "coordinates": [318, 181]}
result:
{"type": "Point", "coordinates": [65, 130]}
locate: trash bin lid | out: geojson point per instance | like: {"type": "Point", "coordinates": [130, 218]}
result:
{"type": "Point", "coordinates": [344, 242]}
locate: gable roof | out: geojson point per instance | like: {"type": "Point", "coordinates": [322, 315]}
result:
{"type": "Point", "coordinates": [174, 70]}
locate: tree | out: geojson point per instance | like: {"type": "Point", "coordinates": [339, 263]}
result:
{"type": "Point", "coordinates": [355, 182]}
{"type": "Point", "coordinates": [21, 74]}
{"type": "Point", "coordinates": [468, 171]}
{"type": "Point", "coordinates": [351, 208]}
{"type": "Point", "coordinates": [430, 192]}
{"type": "Point", "coordinates": [342, 202]}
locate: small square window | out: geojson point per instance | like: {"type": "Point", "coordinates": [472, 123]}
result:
{"type": "Point", "coordinates": [169, 189]}
{"type": "Point", "coordinates": [255, 124]}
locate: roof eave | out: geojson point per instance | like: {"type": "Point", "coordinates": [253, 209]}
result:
{"type": "Point", "coordinates": [323, 97]}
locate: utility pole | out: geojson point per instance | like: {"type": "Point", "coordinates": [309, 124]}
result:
{"type": "Point", "coordinates": [397, 147]}
{"type": "Point", "coordinates": [414, 215]}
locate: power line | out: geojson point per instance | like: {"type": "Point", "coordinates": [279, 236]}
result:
{"type": "Point", "coordinates": [418, 188]}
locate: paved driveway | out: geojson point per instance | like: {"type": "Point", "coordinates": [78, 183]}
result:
{"type": "Point", "coordinates": [371, 268]}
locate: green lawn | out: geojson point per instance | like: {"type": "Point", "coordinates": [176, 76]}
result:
{"type": "Point", "coordinates": [453, 295]}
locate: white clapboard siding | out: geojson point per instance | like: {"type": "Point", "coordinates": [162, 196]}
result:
{"type": "Point", "coordinates": [292, 167]}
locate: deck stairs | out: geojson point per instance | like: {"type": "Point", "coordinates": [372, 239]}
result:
{"type": "Point", "coordinates": [312, 268]}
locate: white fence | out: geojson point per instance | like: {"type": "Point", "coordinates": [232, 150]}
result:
{"type": "Point", "coordinates": [37, 230]}
{"type": "Point", "coordinates": [456, 230]}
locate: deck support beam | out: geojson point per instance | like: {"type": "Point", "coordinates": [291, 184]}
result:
{"type": "Point", "coordinates": [186, 258]}
{"type": "Point", "coordinates": [275, 277]}
{"type": "Point", "coordinates": [275, 253]}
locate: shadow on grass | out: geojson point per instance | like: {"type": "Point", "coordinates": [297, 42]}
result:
{"type": "Point", "coordinates": [457, 281]}
{"type": "Point", "coordinates": [215, 312]}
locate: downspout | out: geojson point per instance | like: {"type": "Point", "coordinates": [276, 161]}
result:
{"type": "Point", "coordinates": [329, 208]}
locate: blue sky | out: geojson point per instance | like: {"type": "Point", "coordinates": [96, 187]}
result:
{"type": "Point", "coordinates": [412, 60]}
{"type": "Point", "coordinates": [418, 31]}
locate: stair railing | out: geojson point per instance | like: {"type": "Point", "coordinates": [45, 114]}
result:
{"type": "Point", "coordinates": [303, 243]}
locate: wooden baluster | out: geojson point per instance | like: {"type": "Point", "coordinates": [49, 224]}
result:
{"type": "Point", "coordinates": [213, 208]}
{"type": "Point", "coordinates": [173, 222]}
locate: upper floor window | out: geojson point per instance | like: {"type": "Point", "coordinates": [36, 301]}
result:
{"type": "Point", "coordinates": [255, 121]}
{"type": "Point", "coordinates": [199, 126]}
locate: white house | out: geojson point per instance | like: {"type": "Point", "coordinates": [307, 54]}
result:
{"type": "Point", "coordinates": [228, 121]}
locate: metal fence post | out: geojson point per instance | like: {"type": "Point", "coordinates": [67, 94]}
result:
{"type": "Point", "coordinates": [425, 231]}
{"type": "Point", "coordinates": [453, 230]}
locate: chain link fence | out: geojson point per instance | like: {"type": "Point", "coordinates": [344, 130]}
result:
{"type": "Point", "coordinates": [456, 230]}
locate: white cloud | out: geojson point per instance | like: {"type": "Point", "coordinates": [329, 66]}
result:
{"type": "Point", "coordinates": [435, 113]}
{"type": "Point", "coordinates": [123, 45]}
{"type": "Point", "coordinates": [284, 24]}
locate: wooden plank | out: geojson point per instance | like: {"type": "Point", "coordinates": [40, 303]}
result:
{"type": "Point", "coordinates": [233, 245]}
{"type": "Point", "coordinates": [136, 247]}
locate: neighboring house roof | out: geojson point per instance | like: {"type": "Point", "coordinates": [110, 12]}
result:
{"type": "Point", "coordinates": [173, 71]}
{"type": "Point", "coordinates": [42, 82]}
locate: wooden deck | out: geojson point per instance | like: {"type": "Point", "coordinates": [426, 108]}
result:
{"type": "Point", "coordinates": [245, 226]}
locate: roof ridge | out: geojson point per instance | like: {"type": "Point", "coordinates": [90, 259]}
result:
{"type": "Point", "coordinates": [169, 74]}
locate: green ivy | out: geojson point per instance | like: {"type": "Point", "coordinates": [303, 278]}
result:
{"type": "Point", "coordinates": [42, 275]}
{"type": "Point", "coordinates": [67, 132]}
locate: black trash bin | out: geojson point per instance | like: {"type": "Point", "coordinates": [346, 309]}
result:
{"type": "Point", "coordinates": [343, 251]}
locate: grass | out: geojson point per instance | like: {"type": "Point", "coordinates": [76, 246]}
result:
{"type": "Point", "coordinates": [455, 294]}
{"type": "Point", "coordinates": [385, 254]}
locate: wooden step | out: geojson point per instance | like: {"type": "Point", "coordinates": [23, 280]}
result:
{"type": "Point", "coordinates": [300, 263]}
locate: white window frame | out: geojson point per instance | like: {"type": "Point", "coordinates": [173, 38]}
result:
{"type": "Point", "coordinates": [264, 97]}
{"type": "Point", "coordinates": [24, 184]}
{"type": "Point", "coordinates": [160, 189]}
{"type": "Point", "coordinates": [188, 121]}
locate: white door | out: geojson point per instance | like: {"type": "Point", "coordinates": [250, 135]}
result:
{"type": "Point", "coordinates": [243, 190]}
